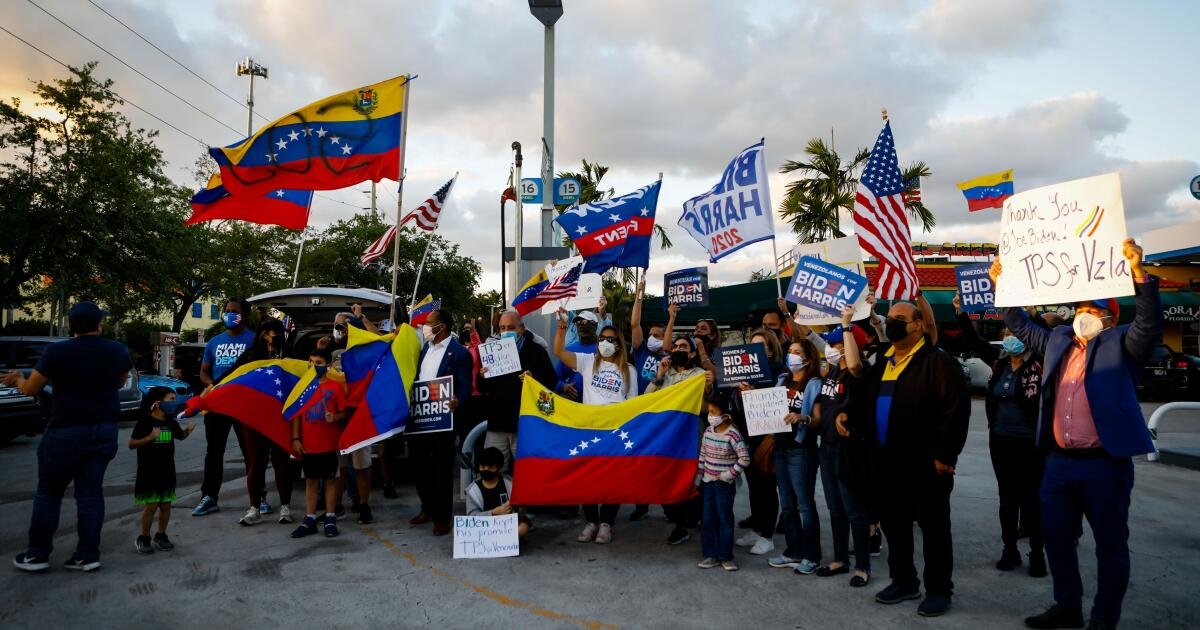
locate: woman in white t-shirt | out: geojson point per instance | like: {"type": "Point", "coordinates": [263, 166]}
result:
{"type": "Point", "coordinates": [608, 377]}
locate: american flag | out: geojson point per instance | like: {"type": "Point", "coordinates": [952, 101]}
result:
{"type": "Point", "coordinates": [426, 214]}
{"type": "Point", "coordinates": [881, 222]}
{"type": "Point", "coordinates": [377, 249]}
{"type": "Point", "coordinates": [912, 190]}
{"type": "Point", "coordinates": [564, 286]}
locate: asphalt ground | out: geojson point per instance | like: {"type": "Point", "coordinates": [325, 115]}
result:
{"type": "Point", "coordinates": [391, 574]}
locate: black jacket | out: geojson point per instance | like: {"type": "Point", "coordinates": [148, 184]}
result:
{"type": "Point", "coordinates": [504, 392]}
{"type": "Point", "coordinates": [930, 411]}
{"type": "Point", "coordinates": [1029, 375]}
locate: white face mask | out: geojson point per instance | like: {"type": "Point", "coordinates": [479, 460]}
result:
{"type": "Point", "coordinates": [427, 331]}
{"type": "Point", "coordinates": [607, 348]}
{"type": "Point", "coordinates": [1087, 325]}
{"type": "Point", "coordinates": [654, 344]}
{"type": "Point", "coordinates": [337, 335]}
{"type": "Point", "coordinates": [833, 355]}
{"type": "Point", "coordinates": [715, 421]}
{"type": "Point", "coordinates": [796, 362]}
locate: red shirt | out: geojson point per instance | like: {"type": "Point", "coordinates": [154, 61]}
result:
{"type": "Point", "coordinates": [316, 435]}
{"type": "Point", "coordinates": [1073, 423]}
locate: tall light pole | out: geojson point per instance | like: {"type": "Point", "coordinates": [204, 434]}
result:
{"type": "Point", "coordinates": [547, 12]}
{"type": "Point", "coordinates": [248, 66]}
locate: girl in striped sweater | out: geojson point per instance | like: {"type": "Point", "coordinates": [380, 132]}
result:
{"type": "Point", "coordinates": [723, 457]}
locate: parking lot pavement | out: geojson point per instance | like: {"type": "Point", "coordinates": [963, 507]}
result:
{"type": "Point", "coordinates": [391, 574]}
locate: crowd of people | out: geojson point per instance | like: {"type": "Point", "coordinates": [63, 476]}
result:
{"type": "Point", "coordinates": [877, 413]}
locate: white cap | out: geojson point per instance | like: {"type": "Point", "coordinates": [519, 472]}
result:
{"type": "Point", "coordinates": [588, 315]}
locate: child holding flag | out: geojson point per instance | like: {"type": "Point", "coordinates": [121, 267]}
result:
{"type": "Point", "coordinates": [154, 489]}
{"type": "Point", "coordinates": [315, 432]}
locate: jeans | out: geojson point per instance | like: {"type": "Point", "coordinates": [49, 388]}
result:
{"type": "Point", "coordinates": [598, 514]}
{"type": "Point", "coordinates": [796, 476]}
{"type": "Point", "coordinates": [716, 529]}
{"type": "Point", "coordinates": [915, 492]}
{"type": "Point", "coordinates": [434, 465]}
{"type": "Point", "coordinates": [216, 437]}
{"type": "Point", "coordinates": [1018, 465]}
{"type": "Point", "coordinates": [846, 514]}
{"type": "Point", "coordinates": [1098, 489]}
{"type": "Point", "coordinates": [78, 454]}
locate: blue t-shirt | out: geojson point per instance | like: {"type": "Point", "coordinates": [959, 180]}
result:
{"type": "Point", "coordinates": [224, 350]}
{"type": "Point", "coordinates": [85, 374]}
{"type": "Point", "coordinates": [646, 364]}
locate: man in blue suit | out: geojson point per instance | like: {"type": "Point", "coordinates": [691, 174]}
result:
{"type": "Point", "coordinates": [1091, 425]}
{"type": "Point", "coordinates": [433, 453]}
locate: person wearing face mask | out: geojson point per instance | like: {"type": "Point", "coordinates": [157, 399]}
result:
{"type": "Point", "coordinates": [315, 432]}
{"type": "Point", "coordinates": [1013, 397]}
{"type": "Point", "coordinates": [489, 494]}
{"type": "Point", "coordinates": [920, 409]}
{"type": "Point", "coordinates": [760, 477]}
{"type": "Point", "coordinates": [648, 350]}
{"type": "Point", "coordinates": [723, 458]}
{"type": "Point", "coordinates": [585, 325]}
{"type": "Point", "coordinates": [503, 393]}
{"type": "Point", "coordinates": [433, 453]}
{"type": "Point", "coordinates": [220, 355]}
{"type": "Point", "coordinates": [708, 339]}
{"type": "Point", "coordinates": [154, 438]}
{"type": "Point", "coordinates": [607, 378]}
{"type": "Point", "coordinates": [1092, 426]}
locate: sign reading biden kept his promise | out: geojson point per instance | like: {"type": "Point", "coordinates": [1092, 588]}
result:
{"type": "Point", "coordinates": [1063, 243]}
{"type": "Point", "coordinates": [742, 364]}
{"type": "Point", "coordinates": [824, 286]}
{"type": "Point", "coordinates": [486, 536]}
{"type": "Point", "coordinates": [737, 211]}
{"type": "Point", "coordinates": [975, 289]}
{"type": "Point", "coordinates": [686, 287]}
{"type": "Point", "coordinates": [429, 407]}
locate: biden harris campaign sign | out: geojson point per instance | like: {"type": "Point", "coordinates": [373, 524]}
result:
{"type": "Point", "coordinates": [823, 286]}
{"type": "Point", "coordinates": [737, 211]}
{"type": "Point", "coordinates": [975, 289]}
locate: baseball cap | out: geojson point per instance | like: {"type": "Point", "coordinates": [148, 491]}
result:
{"type": "Point", "coordinates": [1109, 304]}
{"type": "Point", "coordinates": [87, 309]}
{"type": "Point", "coordinates": [837, 336]}
{"type": "Point", "coordinates": [588, 315]}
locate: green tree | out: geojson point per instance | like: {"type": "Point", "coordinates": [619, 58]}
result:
{"type": "Point", "coordinates": [827, 185]}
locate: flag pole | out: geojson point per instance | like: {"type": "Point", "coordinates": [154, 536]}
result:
{"type": "Point", "coordinates": [428, 242]}
{"type": "Point", "coordinates": [771, 211]}
{"type": "Point", "coordinates": [303, 237]}
{"type": "Point", "coordinates": [400, 195]}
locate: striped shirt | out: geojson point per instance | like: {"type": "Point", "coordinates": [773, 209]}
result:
{"type": "Point", "coordinates": [720, 452]}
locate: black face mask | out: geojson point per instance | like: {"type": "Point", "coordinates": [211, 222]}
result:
{"type": "Point", "coordinates": [895, 329]}
{"type": "Point", "coordinates": [587, 333]}
{"type": "Point", "coordinates": [488, 475]}
{"type": "Point", "coordinates": [679, 358]}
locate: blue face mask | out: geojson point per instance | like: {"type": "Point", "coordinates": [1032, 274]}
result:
{"type": "Point", "coordinates": [322, 370]}
{"type": "Point", "coordinates": [231, 320]}
{"type": "Point", "coordinates": [509, 334]}
{"type": "Point", "coordinates": [170, 407]}
{"type": "Point", "coordinates": [1012, 345]}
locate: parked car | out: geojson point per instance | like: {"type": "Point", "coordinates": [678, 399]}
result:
{"type": "Point", "coordinates": [17, 411]}
{"type": "Point", "coordinates": [182, 390]}
{"type": "Point", "coordinates": [975, 371]}
{"type": "Point", "coordinates": [1170, 375]}
{"type": "Point", "coordinates": [312, 310]}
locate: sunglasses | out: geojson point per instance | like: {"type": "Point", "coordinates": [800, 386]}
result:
{"type": "Point", "coordinates": [609, 338]}
{"type": "Point", "coordinates": [339, 327]}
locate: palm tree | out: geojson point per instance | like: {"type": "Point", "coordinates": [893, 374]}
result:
{"type": "Point", "coordinates": [811, 204]}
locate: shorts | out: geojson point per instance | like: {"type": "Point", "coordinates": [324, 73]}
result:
{"type": "Point", "coordinates": [359, 460]}
{"type": "Point", "coordinates": [320, 465]}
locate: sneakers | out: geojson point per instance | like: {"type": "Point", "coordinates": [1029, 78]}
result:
{"type": "Point", "coordinates": [253, 517]}
{"type": "Point", "coordinates": [162, 543]}
{"type": "Point", "coordinates": [604, 536]}
{"type": "Point", "coordinates": [264, 508]}
{"type": "Point", "coordinates": [364, 515]}
{"type": "Point", "coordinates": [894, 594]}
{"type": "Point", "coordinates": [729, 565]}
{"type": "Point", "coordinates": [389, 491]}
{"type": "Point", "coordinates": [285, 514]}
{"type": "Point", "coordinates": [709, 563]}
{"type": "Point", "coordinates": [588, 534]}
{"type": "Point", "coordinates": [639, 512]}
{"type": "Point", "coordinates": [933, 606]}
{"type": "Point", "coordinates": [783, 562]}
{"type": "Point", "coordinates": [1056, 617]}
{"type": "Point", "coordinates": [762, 547]}
{"type": "Point", "coordinates": [26, 561]}
{"type": "Point", "coordinates": [331, 529]}
{"type": "Point", "coordinates": [678, 536]}
{"type": "Point", "coordinates": [1010, 559]}
{"type": "Point", "coordinates": [78, 564]}
{"type": "Point", "coordinates": [142, 544]}
{"type": "Point", "coordinates": [806, 567]}
{"type": "Point", "coordinates": [1037, 564]}
{"type": "Point", "coordinates": [747, 540]}
{"type": "Point", "coordinates": [207, 505]}
{"type": "Point", "coordinates": [307, 527]}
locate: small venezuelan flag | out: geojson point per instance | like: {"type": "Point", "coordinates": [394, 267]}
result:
{"type": "Point", "coordinates": [421, 311]}
{"type": "Point", "coordinates": [988, 191]}
{"type": "Point", "coordinates": [527, 300]}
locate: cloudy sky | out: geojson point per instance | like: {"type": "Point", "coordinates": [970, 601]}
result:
{"type": "Point", "coordinates": [1054, 90]}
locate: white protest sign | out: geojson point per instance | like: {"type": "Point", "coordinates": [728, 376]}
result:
{"type": "Point", "coordinates": [486, 536]}
{"type": "Point", "coordinates": [588, 293]}
{"type": "Point", "coordinates": [765, 409]}
{"type": "Point", "coordinates": [1063, 243]}
{"type": "Point", "coordinates": [499, 357]}
{"type": "Point", "coordinates": [843, 252]}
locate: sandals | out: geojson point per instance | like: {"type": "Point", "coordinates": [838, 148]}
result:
{"type": "Point", "coordinates": [859, 581]}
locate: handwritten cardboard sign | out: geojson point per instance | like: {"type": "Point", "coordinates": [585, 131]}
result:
{"type": "Point", "coordinates": [587, 293]}
{"type": "Point", "coordinates": [499, 357]}
{"type": "Point", "coordinates": [742, 364]}
{"type": "Point", "coordinates": [765, 410]}
{"type": "Point", "coordinates": [429, 407]}
{"type": "Point", "coordinates": [824, 286]}
{"type": "Point", "coordinates": [1062, 243]}
{"type": "Point", "coordinates": [686, 287]}
{"type": "Point", "coordinates": [845, 253]}
{"type": "Point", "coordinates": [975, 288]}
{"type": "Point", "coordinates": [486, 536]}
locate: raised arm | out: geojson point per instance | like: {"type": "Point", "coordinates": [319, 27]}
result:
{"type": "Point", "coordinates": [927, 315]}
{"type": "Point", "coordinates": [984, 350]}
{"type": "Point", "coordinates": [850, 349]}
{"type": "Point", "coordinates": [560, 341]}
{"type": "Point", "coordinates": [1033, 336]}
{"type": "Point", "coordinates": [793, 329]}
{"type": "Point", "coordinates": [1146, 330]}
{"type": "Point", "coordinates": [636, 337]}
{"type": "Point", "coordinates": [669, 332]}
{"type": "Point", "coordinates": [876, 320]}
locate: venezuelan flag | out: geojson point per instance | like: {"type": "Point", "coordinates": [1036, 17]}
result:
{"type": "Point", "coordinates": [987, 191]}
{"type": "Point", "coordinates": [333, 143]}
{"type": "Point", "coordinates": [254, 394]}
{"type": "Point", "coordinates": [284, 207]}
{"type": "Point", "coordinates": [527, 300]}
{"type": "Point", "coordinates": [301, 397]}
{"type": "Point", "coordinates": [421, 311]}
{"type": "Point", "coordinates": [383, 411]}
{"type": "Point", "coordinates": [364, 349]}
{"type": "Point", "coordinates": [643, 450]}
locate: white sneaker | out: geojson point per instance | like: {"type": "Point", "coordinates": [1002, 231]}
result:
{"type": "Point", "coordinates": [604, 536]}
{"type": "Point", "coordinates": [285, 514]}
{"type": "Point", "coordinates": [588, 534]}
{"type": "Point", "coordinates": [252, 517]}
{"type": "Point", "coordinates": [748, 540]}
{"type": "Point", "coordinates": [762, 547]}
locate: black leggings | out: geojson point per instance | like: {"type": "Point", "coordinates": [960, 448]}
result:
{"type": "Point", "coordinates": [764, 496]}
{"type": "Point", "coordinates": [1019, 467]}
{"type": "Point", "coordinates": [606, 513]}
{"type": "Point", "coordinates": [216, 437]}
{"type": "Point", "coordinates": [259, 452]}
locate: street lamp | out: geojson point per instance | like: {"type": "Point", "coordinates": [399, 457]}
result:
{"type": "Point", "coordinates": [547, 12]}
{"type": "Point", "coordinates": [250, 67]}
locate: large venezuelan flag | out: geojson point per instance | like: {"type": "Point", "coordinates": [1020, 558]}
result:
{"type": "Point", "coordinates": [302, 397]}
{"type": "Point", "coordinates": [364, 349]}
{"type": "Point", "coordinates": [254, 394]}
{"type": "Point", "coordinates": [383, 410]}
{"type": "Point", "coordinates": [529, 298]}
{"type": "Point", "coordinates": [333, 143]}
{"type": "Point", "coordinates": [643, 450]}
{"type": "Point", "coordinates": [283, 207]}
{"type": "Point", "coordinates": [987, 191]}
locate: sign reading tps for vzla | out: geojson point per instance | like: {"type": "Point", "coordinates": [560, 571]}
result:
{"type": "Point", "coordinates": [686, 287]}
{"type": "Point", "coordinates": [823, 286]}
{"type": "Point", "coordinates": [429, 407]}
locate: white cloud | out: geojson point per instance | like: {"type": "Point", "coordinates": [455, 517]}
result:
{"type": "Point", "coordinates": [980, 27]}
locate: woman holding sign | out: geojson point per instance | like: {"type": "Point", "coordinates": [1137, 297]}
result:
{"type": "Point", "coordinates": [764, 501]}
{"type": "Point", "coordinates": [608, 377]}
